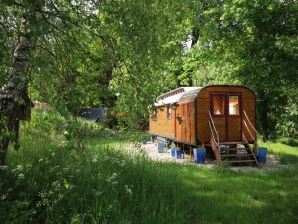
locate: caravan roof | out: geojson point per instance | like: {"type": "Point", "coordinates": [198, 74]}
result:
{"type": "Point", "coordinates": [180, 94]}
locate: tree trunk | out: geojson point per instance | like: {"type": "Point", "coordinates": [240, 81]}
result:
{"type": "Point", "coordinates": [15, 104]}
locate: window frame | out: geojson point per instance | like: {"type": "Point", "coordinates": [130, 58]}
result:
{"type": "Point", "coordinates": [223, 106]}
{"type": "Point", "coordinates": [154, 114]}
{"type": "Point", "coordinates": [239, 104]}
{"type": "Point", "coordinates": [169, 112]}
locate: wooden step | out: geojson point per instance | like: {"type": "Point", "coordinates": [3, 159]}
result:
{"type": "Point", "coordinates": [233, 149]}
{"type": "Point", "coordinates": [242, 161]}
{"type": "Point", "coordinates": [231, 143]}
{"type": "Point", "coordinates": [237, 155]}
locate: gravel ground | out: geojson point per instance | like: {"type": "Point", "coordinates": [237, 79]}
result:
{"type": "Point", "coordinates": [150, 150]}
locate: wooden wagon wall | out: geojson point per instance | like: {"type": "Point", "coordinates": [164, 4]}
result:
{"type": "Point", "coordinates": [161, 124]}
{"type": "Point", "coordinates": [189, 123]}
{"type": "Point", "coordinates": [180, 126]}
{"type": "Point", "coordinates": [186, 129]}
{"type": "Point", "coordinates": [203, 106]}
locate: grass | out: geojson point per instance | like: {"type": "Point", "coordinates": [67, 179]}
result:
{"type": "Point", "coordinates": [52, 180]}
{"type": "Point", "coordinates": [238, 197]}
{"type": "Point", "coordinates": [99, 185]}
{"type": "Point", "coordinates": [286, 154]}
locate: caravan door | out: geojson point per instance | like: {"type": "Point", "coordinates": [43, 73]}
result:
{"type": "Point", "coordinates": [226, 112]}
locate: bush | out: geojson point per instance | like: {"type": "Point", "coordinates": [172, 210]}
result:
{"type": "Point", "coordinates": [289, 141]}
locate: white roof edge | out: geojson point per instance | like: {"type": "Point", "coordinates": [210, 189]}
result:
{"type": "Point", "coordinates": [170, 97]}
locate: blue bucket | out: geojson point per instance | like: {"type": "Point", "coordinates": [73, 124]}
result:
{"type": "Point", "coordinates": [172, 152]}
{"type": "Point", "coordinates": [161, 147]}
{"type": "Point", "coordinates": [262, 153]}
{"type": "Point", "coordinates": [199, 155]}
{"type": "Point", "coordinates": [178, 154]}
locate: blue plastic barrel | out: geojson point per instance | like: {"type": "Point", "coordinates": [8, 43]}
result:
{"type": "Point", "coordinates": [262, 153]}
{"type": "Point", "coordinates": [199, 155]}
{"type": "Point", "coordinates": [178, 154]}
{"type": "Point", "coordinates": [172, 152]}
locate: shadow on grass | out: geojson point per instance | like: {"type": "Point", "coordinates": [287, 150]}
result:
{"type": "Point", "coordinates": [103, 185]}
{"type": "Point", "coordinates": [236, 197]}
{"type": "Point", "coordinates": [288, 158]}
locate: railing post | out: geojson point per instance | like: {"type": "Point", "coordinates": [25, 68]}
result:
{"type": "Point", "coordinates": [214, 141]}
{"type": "Point", "coordinates": [250, 127]}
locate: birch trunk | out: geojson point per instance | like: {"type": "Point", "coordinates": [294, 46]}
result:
{"type": "Point", "coordinates": [15, 104]}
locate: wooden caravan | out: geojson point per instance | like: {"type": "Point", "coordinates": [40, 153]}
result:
{"type": "Point", "coordinates": [221, 117]}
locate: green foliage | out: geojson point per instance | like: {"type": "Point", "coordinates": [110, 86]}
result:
{"type": "Point", "coordinates": [73, 132]}
{"type": "Point", "coordinates": [142, 136]}
{"type": "Point", "coordinates": [253, 43]}
{"type": "Point", "coordinates": [122, 54]}
{"type": "Point", "coordinates": [46, 181]}
{"type": "Point", "coordinates": [175, 146]}
{"type": "Point", "coordinates": [288, 141]}
{"type": "Point", "coordinates": [105, 53]}
{"type": "Point", "coordinates": [286, 152]}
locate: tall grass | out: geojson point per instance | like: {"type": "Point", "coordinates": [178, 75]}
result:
{"type": "Point", "coordinates": [52, 179]}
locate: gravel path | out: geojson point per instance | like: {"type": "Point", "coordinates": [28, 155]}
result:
{"type": "Point", "coordinates": [150, 150]}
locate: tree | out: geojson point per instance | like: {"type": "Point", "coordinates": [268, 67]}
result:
{"type": "Point", "coordinates": [15, 104]}
{"type": "Point", "coordinates": [81, 46]}
{"type": "Point", "coordinates": [252, 43]}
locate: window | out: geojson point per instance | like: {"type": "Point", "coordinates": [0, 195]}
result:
{"type": "Point", "coordinates": [233, 105]}
{"type": "Point", "coordinates": [218, 104]}
{"type": "Point", "coordinates": [154, 114]}
{"type": "Point", "coordinates": [169, 112]}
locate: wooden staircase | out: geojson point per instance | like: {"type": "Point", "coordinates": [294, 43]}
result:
{"type": "Point", "coordinates": [234, 153]}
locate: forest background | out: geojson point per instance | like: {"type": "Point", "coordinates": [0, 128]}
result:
{"type": "Point", "coordinates": [122, 54]}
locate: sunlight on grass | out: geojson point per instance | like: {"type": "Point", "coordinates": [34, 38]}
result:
{"type": "Point", "coordinates": [48, 181]}
{"type": "Point", "coordinates": [285, 153]}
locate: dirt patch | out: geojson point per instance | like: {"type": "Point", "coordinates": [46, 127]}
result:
{"type": "Point", "coordinates": [151, 152]}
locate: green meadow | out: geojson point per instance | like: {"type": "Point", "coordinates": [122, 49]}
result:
{"type": "Point", "coordinates": [58, 176]}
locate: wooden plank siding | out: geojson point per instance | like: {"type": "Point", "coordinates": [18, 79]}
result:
{"type": "Point", "coordinates": [162, 125]}
{"type": "Point", "coordinates": [203, 107]}
{"type": "Point", "coordinates": [186, 130]}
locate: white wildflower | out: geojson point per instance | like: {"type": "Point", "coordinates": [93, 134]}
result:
{"type": "Point", "coordinates": [65, 133]}
{"type": "Point", "coordinates": [19, 167]}
{"type": "Point", "coordinates": [111, 179]}
{"type": "Point", "coordinates": [128, 189]}
{"type": "Point", "coordinates": [3, 168]}
{"type": "Point", "coordinates": [21, 176]}
{"type": "Point", "coordinates": [4, 196]}
{"type": "Point", "coordinates": [56, 184]}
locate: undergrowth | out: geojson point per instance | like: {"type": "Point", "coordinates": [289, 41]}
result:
{"type": "Point", "coordinates": [67, 171]}
{"type": "Point", "coordinates": [53, 179]}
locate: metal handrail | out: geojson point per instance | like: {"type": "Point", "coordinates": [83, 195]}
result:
{"type": "Point", "coordinates": [213, 128]}
{"type": "Point", "coordinates": [251, 125]}
{"type": "Point", "coordinates": [249, 132]}
{"type": "Point", "coordinates": [251, 128]}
